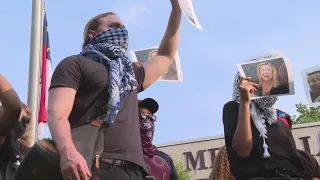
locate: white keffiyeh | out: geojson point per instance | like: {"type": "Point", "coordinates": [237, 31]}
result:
{"type": "Point", "coordinates": [262, 110]}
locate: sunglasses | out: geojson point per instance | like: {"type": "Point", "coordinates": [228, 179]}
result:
{"type": "Point", "coordinates": [314, 80]}
{"type": "Point", "coordinates": [144, 116]}
{"type": "Point", "coordinates": [25, 119]}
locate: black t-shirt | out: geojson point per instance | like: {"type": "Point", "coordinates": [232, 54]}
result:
{"type": "Point", "coordinates": [91, 81]}
{"type": "Point", "coordinates": [10, 150]}
{"type": "Point", "coordinates": [161, 167]}
{"type": "Point", "coordinates": [281, 89]}
{"type": "Point", "coordinates": [282, 149]}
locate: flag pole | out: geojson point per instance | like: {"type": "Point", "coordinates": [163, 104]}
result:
{"type": "Point", "coordinates": [40, 67]}
{"type": "Point", "coordinates": [34, 69]}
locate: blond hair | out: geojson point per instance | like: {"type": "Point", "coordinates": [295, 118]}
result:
{"type": "Point", "coordinates": [275, 82]}
{"type": "Point", "coordinates": [93, 24]}
{"type": "Point", "coordinates": [26, 109]}
{"type": "Point", "coordinates": [221, 169]}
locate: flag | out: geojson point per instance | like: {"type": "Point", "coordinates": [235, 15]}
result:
{"type": "Point", "coordinates": [46, 73]}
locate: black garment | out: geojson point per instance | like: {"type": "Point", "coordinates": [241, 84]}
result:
{"type": "Point", "coordinates": [310, 164]}
{"type": "Point", "coordinates": [7, 170]}
{"type": "Point", "coordinates": [10, 150]}
{"type": "Point", "coordinates": [10, 155]}
{"type": "Point", "coordinates": [315, 96]}
{"type": "Point", "coordinates": [161, 167]}
{"type": "Point", "coordinates": [282, 149]}
{"type": "Point", "coordinates": [114, 172]}
{"type": "Point", "coordinates": [281, 89]}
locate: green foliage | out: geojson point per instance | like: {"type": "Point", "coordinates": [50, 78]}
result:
{"type": "Point", "coordinates": [48, 138]}
{"type": "Point", "coordinates": [183, 173]}
{"type": "Point", "coordinates": [306, 114]}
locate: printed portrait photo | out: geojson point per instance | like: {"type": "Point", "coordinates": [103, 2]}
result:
{"type": "Point", "coordinates": [173, 73]}
{"type": "Point", "coordinates": [311, 81]}
{"type": "Point", "coordinates": [273, 76]}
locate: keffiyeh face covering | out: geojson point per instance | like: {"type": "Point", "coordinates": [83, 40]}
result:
{"type": "Point", "coordinates": [110, 48]}
{"type": "Point", "coordinates": [262, 110]}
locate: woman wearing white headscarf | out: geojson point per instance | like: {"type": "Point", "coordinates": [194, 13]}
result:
{"type": "Point", "coordinates": [258, 145]}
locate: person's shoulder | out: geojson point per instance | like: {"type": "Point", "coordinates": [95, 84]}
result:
{"type": "Point", "coordinates": [73, 59]}
{"type": "Point", "coordinates": [163, 155]}
{"type": "Point", "coordinates": [73, 62]}
{"type": "Point", "coordinates": [230, 105]}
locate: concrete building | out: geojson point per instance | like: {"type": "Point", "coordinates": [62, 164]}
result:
{"type": "Point", "coordinates": [198, 155]}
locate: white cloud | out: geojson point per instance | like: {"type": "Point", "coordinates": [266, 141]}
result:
{"type": "Point", "coordinates": [134, 14]}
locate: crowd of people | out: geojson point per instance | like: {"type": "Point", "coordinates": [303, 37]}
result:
{"type": "Point", "coordinates": [102, 131]}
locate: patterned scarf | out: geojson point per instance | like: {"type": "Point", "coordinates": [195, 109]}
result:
{"type": "Point", "coordinates": [110, 48]}
{"type": "Point", "coordinates": [147, 132]}
{"type": "Point", "coordinates": [262, 111]}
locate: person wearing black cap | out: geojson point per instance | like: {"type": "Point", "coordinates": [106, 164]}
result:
{"type": "Point", "coordinates": [159, 164]}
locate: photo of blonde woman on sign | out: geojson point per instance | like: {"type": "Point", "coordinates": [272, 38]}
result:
{"type": "Point", "coordinates": [270, 74]}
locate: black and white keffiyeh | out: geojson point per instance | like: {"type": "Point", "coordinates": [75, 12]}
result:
{"type": "Point", "coordinates": [262, 110]}
{"type": "Point", "coordinates": [110, 48]}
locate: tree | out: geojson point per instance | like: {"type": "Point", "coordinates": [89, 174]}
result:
{"type": "Point", "coordinates": [47, 138]}
{"type": "Point", "coordinates": [183, 173]}
{"type": "Point", "coordinates": [306, 115]}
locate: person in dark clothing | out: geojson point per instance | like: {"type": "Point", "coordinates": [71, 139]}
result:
{"type": "Point", "coordinates": [159, 164]}
{"type": "Point", "coordinates": [259, 145]}
{"type": "Point", "coordinates": [93, 105]}
{"type": "Point", "coordinates": [309, 163]}
{"type": "Point", "coordinates": [14, 117]}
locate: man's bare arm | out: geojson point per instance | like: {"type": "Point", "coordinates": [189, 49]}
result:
{"type": "Point", "coordinates": [60, 104]}
{"type": "Point", "coordinates": [159, 64]}
{"type": "Point", "coordinates": [11, 106]}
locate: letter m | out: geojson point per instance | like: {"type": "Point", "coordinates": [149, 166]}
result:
{"type": "Point", "coordinates": [194, 162]}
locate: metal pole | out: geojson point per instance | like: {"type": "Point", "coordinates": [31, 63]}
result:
{"type": "Point", "coordinates": [34, 68]}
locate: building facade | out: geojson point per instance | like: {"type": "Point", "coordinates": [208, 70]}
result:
{"type": "Point", "coordinates": [199, 154]}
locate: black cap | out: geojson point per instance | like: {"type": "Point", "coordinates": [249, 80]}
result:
{"type": "Point", "coordinates": [149, 104]}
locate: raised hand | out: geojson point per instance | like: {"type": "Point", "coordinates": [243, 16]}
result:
{"type": "Point", "coordinates": [246, 87]}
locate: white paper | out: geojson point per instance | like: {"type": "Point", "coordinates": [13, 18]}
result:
{"type": "Point", "coordinates": [312, 94]}
{"type": "Point", "coordinates": [188, 10]}
{"type": "Point", "coordinates": [174, 72]}
{"type": "Point", "coordinates": [280, 73]}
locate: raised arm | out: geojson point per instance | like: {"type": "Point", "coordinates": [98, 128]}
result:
{"type": "Point", "coordinates": [11, 108]}
{"type": "Point", "coordinates": [158, 65]}
{"type": "Point", "coordinates": [242, 139]}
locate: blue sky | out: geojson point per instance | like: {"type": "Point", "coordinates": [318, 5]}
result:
{"type": "Point", "coordinates": [233, 32]}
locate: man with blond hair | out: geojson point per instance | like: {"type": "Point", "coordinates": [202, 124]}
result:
{"type": "Point", "coordinates": [92, 110]}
